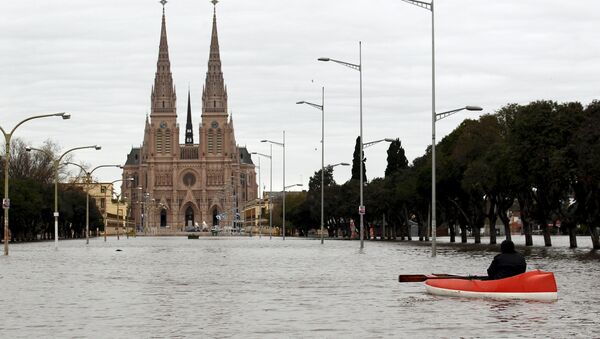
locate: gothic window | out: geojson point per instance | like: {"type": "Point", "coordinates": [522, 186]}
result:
{"type": "Point", "coordinates": [159, 141]}
{"type": "Point", "coordinates": [215, 104]}
{"type": "Point", "coordinates": [219, 141]}
{"type": "Point", "coordinates": [168, 142]}
{"type": "Point", "coordinates": [189, 179]}
{"type": "Point", "coordinates": [210, 141]}
{"type": "Point", "coordinates": [163, 104]}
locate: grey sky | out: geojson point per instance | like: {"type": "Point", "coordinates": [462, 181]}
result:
{"type": "Point", "coordinates": [96, 60]}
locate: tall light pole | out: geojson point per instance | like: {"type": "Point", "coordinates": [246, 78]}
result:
{"type": "Point", "coordinates": [436, 117]}
{"type": "Point", "coordinates": [140, 196]}
{"type": "Point", "coordinates": [7, 137]}
{"type": "Point", "coordinates": [118, 201]}
{"type": "Point", "coordinates": [270, 157]}
{"type": "Point", "coordinates": [323, 194]}
{"type": "Point", "coordinates": [259, 203]}
{"type": "Point", "coordinates": [429, 6]}
{"type": "Point", "coordinates": [361, 208]}
{"type": "Point", "coordinates": [56, 163]}
{"type": "Point", "coordinates": [146, 217]}
{"type": "Point", "coordinates": [284, 188]}
{"type": "Point", "coordinates": [282, 144]}
{"type": "Point", "coordinates": [88, 179]}
{"type": "Point", "coordinates": [322, 108]}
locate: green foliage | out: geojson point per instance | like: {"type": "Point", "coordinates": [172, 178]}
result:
{"type": "Point", "coordinates": [396, 158]}
{"type": "Point", "coordinates": [356, 162]}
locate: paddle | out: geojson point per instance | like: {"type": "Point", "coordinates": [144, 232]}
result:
{"type": "Point", "coordinates": [423, 277]}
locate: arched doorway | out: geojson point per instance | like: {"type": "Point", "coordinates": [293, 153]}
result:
{"type": "Point", "coordinates": [189, 216]}
{"type": "Point", "coordinates": [215, 219]}
{"type": "Point", "coordinates": [163, 218]}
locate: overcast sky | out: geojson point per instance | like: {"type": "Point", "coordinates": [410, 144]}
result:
{"type": "Point", "coordinates": [97, 59]}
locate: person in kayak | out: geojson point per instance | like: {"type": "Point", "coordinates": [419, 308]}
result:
{"type": "Point", "coordinates": [508, 263]}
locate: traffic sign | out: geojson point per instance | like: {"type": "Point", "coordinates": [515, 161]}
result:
{"type": "Point", "coordinates": [361, 210]}
{"type": "Point", "coordinates": [5, 203]}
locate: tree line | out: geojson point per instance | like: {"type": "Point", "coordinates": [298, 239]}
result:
{"type": "Point", "coordinates": [31, 193]}
{"type": "Point", "coordinates": [541, 159]}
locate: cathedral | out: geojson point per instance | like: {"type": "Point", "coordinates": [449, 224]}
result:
{"type": "Point", "coordinates": [205, 183]}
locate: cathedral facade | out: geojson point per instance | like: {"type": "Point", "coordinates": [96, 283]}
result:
{"type": "Point", "coordinates": [175, 185]}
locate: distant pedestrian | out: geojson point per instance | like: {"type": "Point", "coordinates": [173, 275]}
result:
{"type": "Point", "coordinates": [508, 263]}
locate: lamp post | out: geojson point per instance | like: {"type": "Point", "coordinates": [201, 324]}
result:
{"type": "Point", "coordinates": [56, 163]}
{"type": "Point", "coordinates": [434, 117]}
{"type": "Point", "coordinates": [320, 107]}
{"type": "Point", "coordinates": [323, 195]}
{"type": "Point", "coordinates": [7, 137]}
{"type": "Point", "coordinates": [146, 221]}
{"type": "Point", "coordinates": [284, 188]}
{"type": "Point", "coordinates": [282, 144]}
{"type": "Point", "coordinates": [106, 206]}
{"type": "Point", "coordinates": [361, 208]}
{"type": "Point", "coordinates": [440, 116]}
{"type": "Point", "coordinates": [270, 157]}
{"type": "Point", "coordinates": [118, 220]}
{"type": "Point", "coordinates": [88, 178]}
{"type": "Point", "coordinates": [152, 213]}
{"type": "Point", "coordinates": [140, 201]}
{"type": "Point", "coordinates": [259, 203]}
{"type": "Point", "coordinates": [429, 6]}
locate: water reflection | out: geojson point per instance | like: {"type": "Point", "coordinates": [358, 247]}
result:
{"type": "Point", "coordinates": [261, 288]}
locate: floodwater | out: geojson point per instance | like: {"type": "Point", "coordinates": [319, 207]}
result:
{"type": "Point", "coordinates": [221, 287]}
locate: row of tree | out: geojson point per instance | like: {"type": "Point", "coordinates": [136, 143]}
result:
{"type": "Point", "coordinates": [541, 160]}
{"type": "Point", "coordinates": [31, 192]}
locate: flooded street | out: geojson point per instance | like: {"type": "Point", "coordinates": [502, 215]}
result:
{"type": "Point", "coordinates": [174, 287]}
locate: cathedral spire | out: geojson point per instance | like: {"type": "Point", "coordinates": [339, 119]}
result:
{"type": "Point", "coordinates": [163, 93]}
{"type": "Point", "coordinates": [189, 133]}
{"type": "Point", "coordinates": [214, 96]}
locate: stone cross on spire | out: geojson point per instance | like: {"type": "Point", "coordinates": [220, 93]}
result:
{"type": "Point", "coordinates": [163, 3]}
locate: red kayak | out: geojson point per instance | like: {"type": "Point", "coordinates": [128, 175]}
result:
{"type": "Point", "coordinates": [534, 285]}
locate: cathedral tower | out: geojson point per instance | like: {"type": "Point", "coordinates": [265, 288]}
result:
{"type": "Point", "coordinates": [163, 117]}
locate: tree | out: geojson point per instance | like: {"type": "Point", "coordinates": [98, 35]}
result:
{"type": "Point", "coordinates": [396, 158]}
{"type": "Point", "coordinates": [356, 163]}
{"type": "Point", "coordinates": [585, 154]}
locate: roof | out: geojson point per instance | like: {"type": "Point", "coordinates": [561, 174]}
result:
{"type": "Point", "coordinates": [245, 157]}
{"type": "Point", "coordinates": [133, 158]}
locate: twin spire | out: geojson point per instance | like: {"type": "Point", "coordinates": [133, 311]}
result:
{"type": "Point", "coordinates": [163, 92]}
{"type": "Point", "coordinates": [214, 96]}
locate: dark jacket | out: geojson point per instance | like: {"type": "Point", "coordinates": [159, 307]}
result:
{"type": "Point", "coordinates": [507, 265]}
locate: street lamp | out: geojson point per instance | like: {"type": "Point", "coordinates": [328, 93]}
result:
{"type": "Point", "coordinates": [371, 143]}
{"type": "Point", "coordinates": [322, 108]}
{"type": "Point", "coordinates": [141, 203]}
{"type": "Point", "coordinates": [440, 116]}
{"type": "Point", "coordinates": [106, 205]}
{"type": "Point", "coordinates": [7, 137]}
{"type": "Point", "coordinates": [56, 163]}
{"type": "Point", "coordinates": [284, 188]}
{"type": "Point", "coordinates": [88, 176]}
{"type": "Point", "coordinates": [270, 157]}
{"type": "Point", "coordinates": [323, 194]}
{"type": "Point", "coordinates": [259, 204]}
{"type": "Point", "coordinates": [434, 116]}
{"type": "Point", "coordinates": [118, 221]}
{"type": "Point", "coordinates": [146, 217]}
{"type": "Point", "coordinates": [429, 6]}
{"type": "Point", "coordinates": [282, 144]}
{"type": "Point", "coordinates": [361, 208]}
